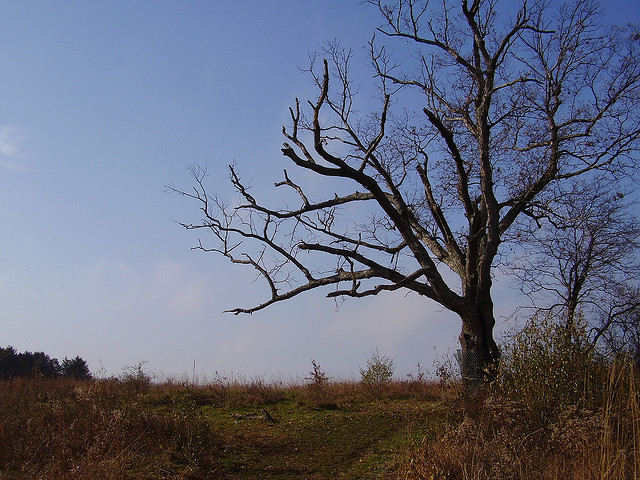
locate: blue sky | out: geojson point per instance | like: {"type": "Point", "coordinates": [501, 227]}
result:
{"type": "Point", "coordinates": [104, 103]}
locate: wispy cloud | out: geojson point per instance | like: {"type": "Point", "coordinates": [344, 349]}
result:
{"type": "Point", "coordinates": [10, 153]}
{"type": "Point", "coordinates": [10, 139]}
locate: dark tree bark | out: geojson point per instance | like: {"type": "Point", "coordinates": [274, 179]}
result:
{"type": "Point", "coordinates": [476, 123]}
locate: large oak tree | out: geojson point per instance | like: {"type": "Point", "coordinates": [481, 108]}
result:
{"type": "Point", "coordinates": [483, 111]}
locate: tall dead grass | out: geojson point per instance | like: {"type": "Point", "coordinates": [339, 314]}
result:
{"type": "Point", "coordinates": [556, 411]}
{"type": "Point", "coordinates": [64, 429]}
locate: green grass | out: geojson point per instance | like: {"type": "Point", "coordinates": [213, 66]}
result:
{"type": "Point", "coordinates": [352, 438]}
{"type": "Point", "coordinates": [362, 441]}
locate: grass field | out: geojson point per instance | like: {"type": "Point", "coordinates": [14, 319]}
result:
{"type": "Point", "coordinates": [540, 421]}
{"type": "Point", "coordinates": [110, 429]}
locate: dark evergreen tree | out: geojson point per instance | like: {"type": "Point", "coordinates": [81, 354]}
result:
{"type": "Point", "coordinates": [9, 362]}
{"type": "Point", "coordinates": [76, 368]}
{"type": "Point", "coordinates": [39, 364]}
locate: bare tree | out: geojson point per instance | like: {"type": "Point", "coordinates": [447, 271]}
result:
{"type": "Point", "coordinates": [479, 116]}
{"type": "Point", "coordinates": [582, 258]}
{"type": "Point", "coordinates": [619, 327]}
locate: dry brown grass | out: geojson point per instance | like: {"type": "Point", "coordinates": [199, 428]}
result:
{"type": "Point", "coordinates": [63, 429]}
{"type": "Point", "coordinates": [557, 411]}
{"type": "Point", "coordinates": [504, 439]}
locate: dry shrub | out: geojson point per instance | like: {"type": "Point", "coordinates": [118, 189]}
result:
{"type": "Point", "coordinates": [556, 411]}
{"type": "Point", "coordinates": [547, 367]}
{"type": "Point", "coordinates": [319, 394]}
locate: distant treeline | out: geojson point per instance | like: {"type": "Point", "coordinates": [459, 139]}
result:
{"type": "Point", "coordinates": [39, 364]}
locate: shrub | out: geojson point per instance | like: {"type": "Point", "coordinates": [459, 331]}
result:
{"type": "Point", "coordinates": [317, 378]}
{"type": "Point", "coordinates": [135, 378]}
{"type": "Point", "coordinates": [546, 367]}
{"type": "Point", "coordinates": [317, 388]}
{"type": "Point", "coordinates": [378, 373]}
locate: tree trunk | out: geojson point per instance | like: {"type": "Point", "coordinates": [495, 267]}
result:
{"type": "Point", "coordinates": [479, 352]}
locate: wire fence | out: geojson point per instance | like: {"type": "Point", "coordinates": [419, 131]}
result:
{"type": "Point", "coordinates": [471, 366]}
